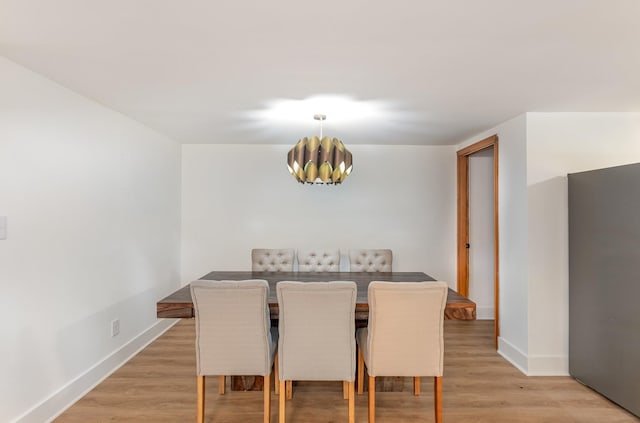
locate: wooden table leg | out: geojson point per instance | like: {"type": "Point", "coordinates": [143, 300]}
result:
{"type": "Point", "coordinates": [390, 383]}
{"type": "Point", "coordinates": [247, 383]}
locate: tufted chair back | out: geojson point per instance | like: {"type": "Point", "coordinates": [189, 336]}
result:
{"type": "Point", "coordinates": [272, 260]}
{"type": "Point", "coordinates": [370, 260]}
{"type": "Point", "coordinates": [319, 260]}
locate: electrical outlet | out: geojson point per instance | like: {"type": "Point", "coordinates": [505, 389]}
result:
{"type": "Point", "coordinates": [115, 327]}
{"type": "Point", "coordinates": [3, 227]}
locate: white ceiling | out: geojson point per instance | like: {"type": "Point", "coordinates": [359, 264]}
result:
{"type": "Point", "coordinates": [425, 71]}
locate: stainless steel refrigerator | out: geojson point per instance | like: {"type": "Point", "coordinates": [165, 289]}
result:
{"type": "Point", "coordinates": [604, 282]}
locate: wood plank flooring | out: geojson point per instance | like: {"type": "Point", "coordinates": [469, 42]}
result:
{"type": "Point", "coordinates": [159, 385]}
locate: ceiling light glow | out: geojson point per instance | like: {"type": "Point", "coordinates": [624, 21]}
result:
{"type": "Point", "coordinates": [342, 109]}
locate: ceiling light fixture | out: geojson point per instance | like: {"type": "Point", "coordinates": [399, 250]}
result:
{"type": "Point", "coordinates": [319, 160]}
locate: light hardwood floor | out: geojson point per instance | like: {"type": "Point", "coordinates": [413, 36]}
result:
{"type": "Point", "coordinates": [159, 385]}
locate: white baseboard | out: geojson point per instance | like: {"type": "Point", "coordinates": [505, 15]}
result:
{"type": "Point", "coordinates": [485, 313]}
{"type": "Point", "coordinates": [548, 365]}
{"type": "Point", "coordinates": [534, 365]}
{"type": "Point", "coordinates": [513, 355]}
{"type": "Point", "coordinates": [57, 403]}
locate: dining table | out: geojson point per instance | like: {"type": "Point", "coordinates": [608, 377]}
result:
{"type": "Point", "coordinates": [179, 304]}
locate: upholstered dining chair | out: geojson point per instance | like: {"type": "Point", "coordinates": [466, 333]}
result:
{"type": "Point", "coordinates": [371, 260]}
{"type": "Point", "coordinates": [319, 260]}
{"type": "Point", "coordinates": [233, 334]}
{"type": "Point", "coordinates": [404, 336]}
{"type": "Point", "coordinates": [317, 335]}
{"type": "Point", "coordinates": [272, 260]}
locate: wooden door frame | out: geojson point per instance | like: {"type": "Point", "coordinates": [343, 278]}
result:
{"type": "Point", "coordinates": [463, 223]}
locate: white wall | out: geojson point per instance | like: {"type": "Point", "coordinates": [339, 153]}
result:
{"type": "Point", "coordinates": [481, 233]}
{"type": "Point", "coordinates": [536, 152]}
{"type": "Point", "coordinates": [558, 144]}
{"type": "Point", "coordinates": [92, 204]}
{"type": "Point", "coordinates": [512, 224]}
{"type": "Point", "coordinates": [235, 198]}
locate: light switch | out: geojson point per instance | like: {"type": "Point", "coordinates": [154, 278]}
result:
{"type": "Point", "coordinates": [3, 227]}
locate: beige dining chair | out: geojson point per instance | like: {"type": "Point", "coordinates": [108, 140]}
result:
{"type": "Point", "coordinates": [319, 260]}
{"type": "Point", "coordinates": [233, 334]}
{"type": "Point", "coordinates": [404, 336]}
{"type": "Point", "coordinates": [317, 336]}
{"type": "Point", "coordinates": [272, 260]}
{"type": "Point", "coordinates": [370, 260]}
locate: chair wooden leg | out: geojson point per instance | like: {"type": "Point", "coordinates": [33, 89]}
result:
{"type": "Point", "coordinates": [289, 389]}
{"type": "Point", "coordinates": [282, 399]}
{"type": "Point", "coordinates": [266, 387]}
{"type": "Point", "coordinates": [345, 389]}
{"type": "Point", "coordinates": [416, 386]}
{"type": "Point", "coordinates": [352, 401]}
{"type": "Point", "coordinates": [360, 371]}
{"type": "Point", "coordinates": [437, 397]}
{"type": "Point", "coordinates": [200, 410]}
{"type": "Point", "coordinates": [372, 399]}
{"type": "Point", "coordinates": [221, 384]}
{"type": "Point", "coordinates": [277, 378]}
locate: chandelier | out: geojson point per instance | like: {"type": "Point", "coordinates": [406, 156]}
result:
{"type": "Point", "coordinates": [319, 160]}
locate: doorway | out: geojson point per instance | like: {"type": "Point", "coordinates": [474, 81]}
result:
{"type": "Point", "coordinates": [463, 242]}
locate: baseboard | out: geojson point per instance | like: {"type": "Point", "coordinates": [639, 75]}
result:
{"type": "Point", "coordinates": [485, 313]}
{"type": "Point", "coordinates": [56, 404]}
{"type": "Point", "coordinates": [548, 365]}
{"type": "Point", "coordinates": [513, 355]}
{"type": "Point", "coordinates": [534, 365]}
